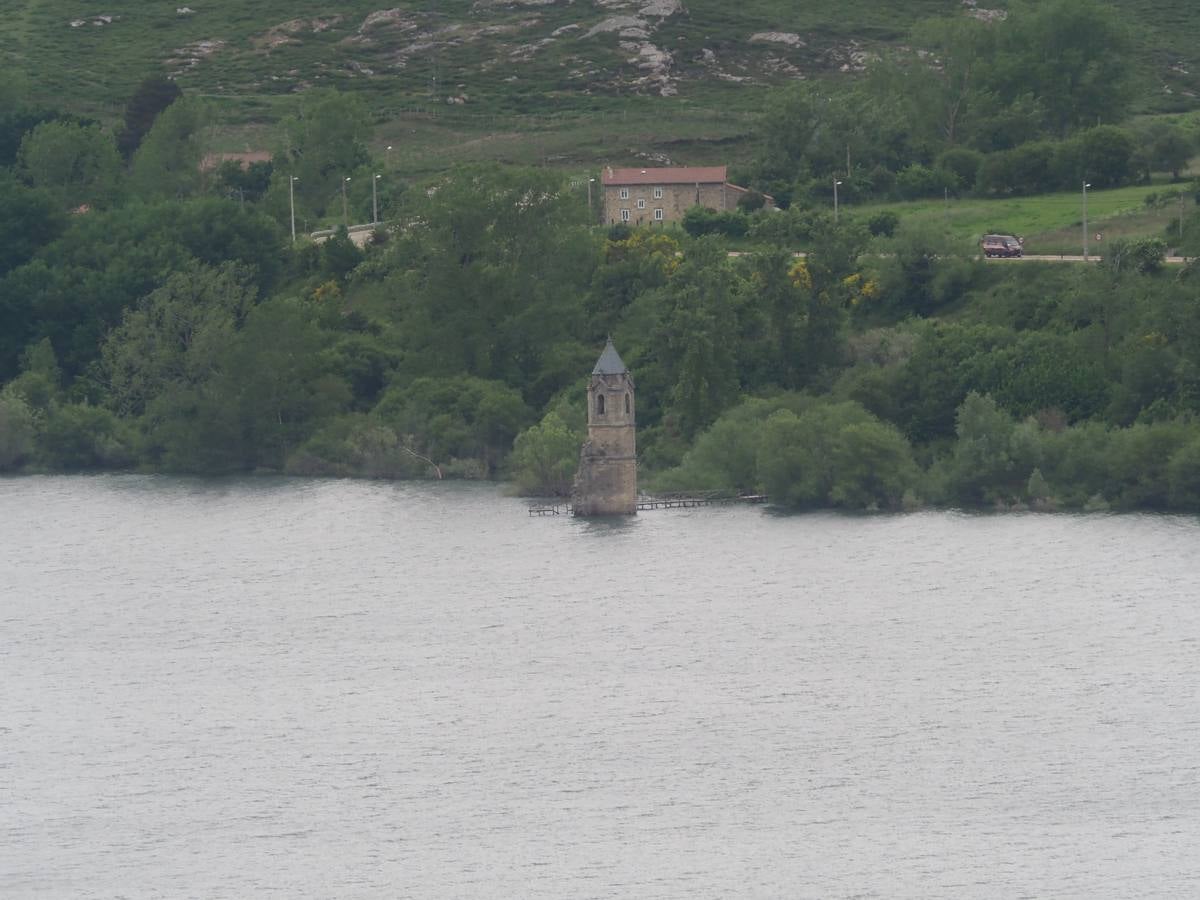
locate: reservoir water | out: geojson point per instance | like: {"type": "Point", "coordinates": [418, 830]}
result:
{"type": "Point", "coordinates": [327, 689]}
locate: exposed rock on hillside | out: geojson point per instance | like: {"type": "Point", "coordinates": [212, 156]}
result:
{"type": "Point", "coordinates": [625, 26]}
{"type": "Point", "coordinates": [391, 19]}
{"type": "Point", "coordinates": [778, 37]}
{"type": "Point", "coordinates": [288, 32]}
{"type": "Point", "coordinates": [194, 53]}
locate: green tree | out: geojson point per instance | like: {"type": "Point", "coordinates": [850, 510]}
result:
{"type": "Point", "coordinates": [491, 278]}
{"type": "Point", "coordinates": [697, 334]}
{"type": "Point", "coordinates": [1183, 476]}
{"type": "Point", "coordinates": [29, 219]}
{"type": "Point", "coordinates": [834, 455]}
{"type": "Point", "coordinates": [153, 95]}
{"type": "Point", "coordinates": [17, 431]}
{"type": "Point", "coordinates": [811, 131]}
{"type": "Point", "coordinates": [1170, 149]}
{"type": "Point", "coordinates": [1144, 256]}
{"type": "Point", "coordinates": [324, 142]}
{"type": "Point", "coordinates": [1074, 56]}
{"type": "Point", "coordinates": [993, 457]}
{"type": "Point", "coordinates": [828, 279]}
{"type": "Point", "coordinates": [81, 436]}
{"type": "Point", "coordinates": [459, 417]}
{"type": "Point", "coordinates": [725, 457]}
{"type": "Point", "coordinates": [942, 370]}
{"type": "Point", "coordinates": [79, 286]}
{"type": "Point", "coordinates": [960, 49]}
{"type": "Point", "coordinates": [39, 385]}
{"type": "Point", "coordinates": [545, 457]}
{"type": "Point", "coordinates": [78, 164]}
{"type": "Point", "coordinates": [167, 163]}
{"type": "Point", "coordinates": [176, 336]}
{"type": "Point", "coordinates": [268, 391]}
{"type": "Point", "coordinates": [1102, 155]}
{"type": "Point", "coordinates": [923, 271]}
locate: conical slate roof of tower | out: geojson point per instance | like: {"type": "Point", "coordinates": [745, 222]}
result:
{"type": "Point", "coordinates": [609, 362]}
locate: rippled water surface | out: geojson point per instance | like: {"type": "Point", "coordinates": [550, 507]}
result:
{"type": "Point", "coordinates": [260, 688]}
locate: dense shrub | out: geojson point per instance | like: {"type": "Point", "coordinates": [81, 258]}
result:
{"type": "Point", "coordinates": [917, 181]}
{"type": "Point", "coordinates": [545, 457]}
{"type": "Point", "coordinates": [699, 221]}
{"type": "Point", "coordinates": [883, 224]}
{"type": "Point", "coordinates": [834, 455]}
{"type": "Point", "coordinates": [17, 432]}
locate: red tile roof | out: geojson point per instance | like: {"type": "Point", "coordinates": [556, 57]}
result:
{"type": "Point", "coordinates": [680, 175]}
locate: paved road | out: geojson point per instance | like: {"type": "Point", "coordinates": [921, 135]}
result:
{"type": "Point", "coordinates": [1092, 258]}
{"type": "Point", "coordinates": [1170, 260]}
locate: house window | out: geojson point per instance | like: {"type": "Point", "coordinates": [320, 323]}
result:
{"type": "Point", "coordinates": [658, 215]}
{"type": "Point", "coordinates": [624, 215]}
{"type": "Point", "coordinates": [599, 404]}
{"type": "Point", "coordinates": [624, 193]}
{"type": "Point", "coordinates": [641, 203]}
{"type": "Point", "coordinates": [658, 193]}
{"type": "Point", "coordinates": [626, 404]}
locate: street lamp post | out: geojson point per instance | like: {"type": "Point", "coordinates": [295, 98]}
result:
{"type": "Point", "coordinates": [292, 179]}
{"type": "Point", "coordinates": [835, 200]}
{"type": "Point", "coordinates": [345, 208]}
{"type": "Point", "coordinates": [1085, 231]}
{"type": "Point", "coordinates": [389, 156]}
{"type": "Point", "coordinates": [375, 200]}
{"type": "Point", "coordinates": [591, 215]}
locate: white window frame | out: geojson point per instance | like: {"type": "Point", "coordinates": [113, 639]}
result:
{"type": "Point", "coordinates": [658, 215]}
{"type": "Point", "coordinates": [658, 193]}
{"type": "Point", "coordinates": [641, 204]}
{"type": "Point", "coordinates": [624, 193]}
{"type": "Point", "coordinates": [625, 215]}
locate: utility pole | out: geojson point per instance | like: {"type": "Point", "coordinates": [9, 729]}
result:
{"type": "Point", "coordinates": [345, 208]}
{"type": "Point", "coordinates": [292, 179]}
{"type": "Point", "coordinates": [374, 201]}
{"type": "Point", "coordinates": [1085, 230]}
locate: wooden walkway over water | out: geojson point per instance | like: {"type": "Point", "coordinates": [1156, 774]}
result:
{"type": "Point", "coordinates": [667, 501]}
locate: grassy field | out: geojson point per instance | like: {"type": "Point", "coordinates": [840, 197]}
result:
{"type": "Point", "coordinates": [1050, 223]}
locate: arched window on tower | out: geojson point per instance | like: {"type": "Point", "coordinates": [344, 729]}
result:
{"type": "Point", "coordinates": [599, 404]}
{"type": "Point", "coordinates": [626, 404]}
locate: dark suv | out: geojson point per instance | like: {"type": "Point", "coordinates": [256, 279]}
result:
{"type": "Point", "coordinates": [1000, 245]}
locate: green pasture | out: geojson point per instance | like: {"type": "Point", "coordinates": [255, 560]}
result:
{"type": "Point", "coordinates": [1050, 223]}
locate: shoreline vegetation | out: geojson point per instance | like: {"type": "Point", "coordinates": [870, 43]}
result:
{"type": "Point", "coordinates": [159, 314]}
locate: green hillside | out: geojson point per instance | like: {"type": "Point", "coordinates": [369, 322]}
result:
{"type": "Point", "coordinates": [498, 72]}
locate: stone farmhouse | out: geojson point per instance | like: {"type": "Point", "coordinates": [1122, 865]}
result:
{"type": "Point", "coordinates": [655, 196]}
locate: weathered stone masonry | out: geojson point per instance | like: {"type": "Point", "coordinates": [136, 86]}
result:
{"type": "Point", "coordinates": [606, 484]}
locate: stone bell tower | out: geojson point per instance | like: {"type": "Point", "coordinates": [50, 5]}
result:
{"type": "Point", "coordinates": [606, 484]}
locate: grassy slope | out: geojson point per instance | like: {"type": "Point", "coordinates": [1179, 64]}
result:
{"type": "Point", "coordinates": [1050, 223]}
{"type": "Point", "coordinates": [503, 55]}
{"type": "Point", "coordinates": [531, 96]}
